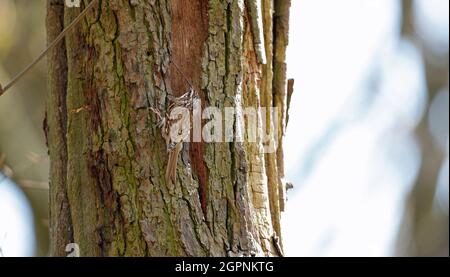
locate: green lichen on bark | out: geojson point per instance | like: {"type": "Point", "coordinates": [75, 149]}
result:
{"type": "Point", "coordinates": [110, 141]}
{"type": "Point", "coordinates": [108, 155]}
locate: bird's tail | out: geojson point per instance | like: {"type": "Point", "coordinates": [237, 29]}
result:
{"type": "Point", "coordinates": [171, 170]}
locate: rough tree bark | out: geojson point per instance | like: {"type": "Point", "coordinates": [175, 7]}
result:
{"type": "Point", "coordinates": [108, 193]}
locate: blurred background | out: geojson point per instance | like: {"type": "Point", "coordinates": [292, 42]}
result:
{"type": "Point", "coordinates": [368, 137]}
{"type": "Point", "coordinates": [23, 155]}
{"type": "Point", "coordinates": [367, 145]}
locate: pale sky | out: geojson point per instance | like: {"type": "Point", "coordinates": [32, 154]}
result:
{"type": "Point", "coordinates": [350, 150]}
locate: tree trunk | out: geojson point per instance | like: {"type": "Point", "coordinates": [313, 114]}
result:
{"type": "Point", "coordinates": [108, 158]}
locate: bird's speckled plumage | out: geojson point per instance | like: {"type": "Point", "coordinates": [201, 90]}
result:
{"type": "Point", "coordinates": [176, 128]}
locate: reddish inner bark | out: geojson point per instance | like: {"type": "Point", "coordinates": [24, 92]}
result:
{"type": "Point", "coordinates": [189, 33]}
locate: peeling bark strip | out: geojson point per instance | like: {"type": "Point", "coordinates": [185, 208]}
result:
{"type": "Point", "coordinates": [290, 91]}
{"type": "Point", "coordinates": [281, 25]}
{"type": "Point", "coordinates": [108, 190]}
{"type": "Point", "coordinates": [61, 231]}
{"type": "Point", "coordinates": [255, 12]}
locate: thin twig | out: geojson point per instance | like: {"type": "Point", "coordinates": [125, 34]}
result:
{"type": "Point", "coordinates": [179, 70]}
{"type": "Point", "coordinates": [49, 47]}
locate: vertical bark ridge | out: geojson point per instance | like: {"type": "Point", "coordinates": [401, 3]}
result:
{"type": "Point", "coordinates": [222, 79]}
{"type": "Point", "coordinates": [267, 100]}
{"type": "Point", "coordinates": [257, 174]}
{"type": "Point", "coordinates": [55, 128]}
{"type": "Point", "coordinates": [281, 40]}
